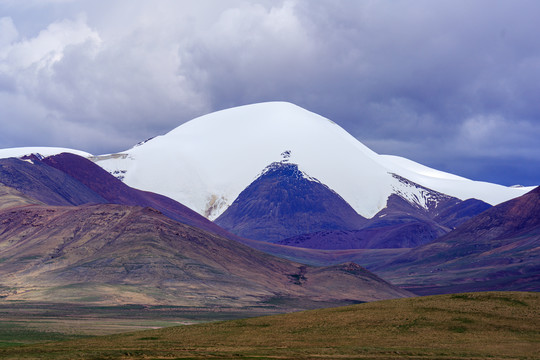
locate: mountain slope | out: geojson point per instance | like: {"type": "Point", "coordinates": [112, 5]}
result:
{"type": "Point", "coordinates": [127, 254]}
{"type": "Point", "coordinates": [498, 249]}
{"type": "Point", "coordinates": [283, 202]}
{"type": "Point", "coordinates": [44, 183]}
{"type": "Point", "coordinates": [10, 198]}
{"type": "Point", "coordinates": [399, 225]}
{"type": "Point", "coordinates": [115, 191]}
{"type": "Point", "coordinates": [207, 162]}
{"type": "Point", "coordinates": [455, 214]}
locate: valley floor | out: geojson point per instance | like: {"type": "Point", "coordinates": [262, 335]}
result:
{"type": "Point", "coordinates": [490, 325]}
{"type": "Point", "coordinates": [23, 323]}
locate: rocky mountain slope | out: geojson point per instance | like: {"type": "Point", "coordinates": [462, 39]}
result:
{"type": "Point", "coordinates": [285, 206]}
{"type": "Point", "coordinates": [44, 183]}
{"type": "Point", "coordinates": [125, 254]}
{"type": "Point", "coordinates": [399, 225]}
{"type": "Point", "coordinates": [496, 250]}
{"type": "Point", "coordinates": [282, 202]}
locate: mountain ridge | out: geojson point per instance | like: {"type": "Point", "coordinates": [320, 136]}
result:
{"type": "Point", "coordinates": [119, 254]}
{"type": "Point", "coordinates": [207, 162]}
{"type": "Point", "coordinates": [288, 207]}
{"type": "Point", "coordinates": [116, 192]}
{"type": "Point", "coordinates": [497, 249]}
{"type": "Point", "coordinates": [218, 155]}
{"type": "Point", "coordinates": [145, 257]}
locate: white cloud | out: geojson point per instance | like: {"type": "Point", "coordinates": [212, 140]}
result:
{"type": "Point", "coordinates": [8, 32]}
{"type": "Point", "coordinates": [413, 78]}
{"type": "Point", "coordinates": [494, 136]}
{"type": "Point", "coordinates": [47, 47]}
{"type": "Point", "coordinates": [482, 128]}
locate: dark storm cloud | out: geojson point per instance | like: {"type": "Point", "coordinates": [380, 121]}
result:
{"type": "Point", "coordinates": [451, 84]}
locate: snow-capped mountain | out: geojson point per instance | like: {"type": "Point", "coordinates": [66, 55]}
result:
{"type": "Point", "coordinates": [207, 162]}
{"type": "Point", "coordinates": [43, 151]}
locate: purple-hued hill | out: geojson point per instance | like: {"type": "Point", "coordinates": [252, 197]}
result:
{"type": "Point", "coordinates": [284, 202]}
{"type": "Point", "coordinates": [495, 250]}
{"type": "Point", "coordinates": [118, 254]}
{"type": "Point", "coordinates": [123, 254]}
{"type": "Point", "coordinates": [44, 183]}
{"type": "Point", "coordinates": [453, 215]}
{"type": "Point", "coordinates": [399, 225]}
{"type": "Point", "coordinates": [116, 192]}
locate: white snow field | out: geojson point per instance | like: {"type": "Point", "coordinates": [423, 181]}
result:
{"type": "Point", "coordinates": [205, 163]}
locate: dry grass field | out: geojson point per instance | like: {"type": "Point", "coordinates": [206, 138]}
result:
{"type": "Point", "coordinates": [490, 325]}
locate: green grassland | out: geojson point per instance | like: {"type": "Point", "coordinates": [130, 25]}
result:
{"type": "Point", "coordinates": [24, 322]}
{"type": "Point", "coordinates": [491, 325]}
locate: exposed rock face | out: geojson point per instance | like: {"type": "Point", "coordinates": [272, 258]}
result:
{"type": "Point", "coordinates": [456, 214]}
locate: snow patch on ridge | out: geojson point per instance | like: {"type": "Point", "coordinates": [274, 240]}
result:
{"type": "Point", "coordinates": [416, 194]}
{"type": "Point", "coordinates": [450, 184]}
{"type": "Point", "coordinates": [286, 155]}
{"type": "Point", "coordinates": [118, 168]}
{"type": "Point", "coordinates": [41, 150]}
{"type": "Point", "coordinates": [299, 174]}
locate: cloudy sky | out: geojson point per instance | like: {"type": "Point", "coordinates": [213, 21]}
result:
{"type": "Point", "coordinates": [453, 84]}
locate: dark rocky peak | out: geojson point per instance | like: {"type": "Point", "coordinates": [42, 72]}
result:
{"type": "Point", "coordinates": [33, 157]}
{"type": "Point", "coordinates": [286, 155]}
{"type": "Point", "coordinates": [287, 172]}
{"type": "Point", "coordinates": [432, 199]}
{"type": "Point", "coordinates": [283, 202]}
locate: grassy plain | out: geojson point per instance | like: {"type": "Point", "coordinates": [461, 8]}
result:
{"type": "Point", "coordinates": [491, 325]}
{"type": "Point", "coordinates": [33, 322]}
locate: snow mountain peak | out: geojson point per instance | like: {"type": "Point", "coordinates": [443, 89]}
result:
{"type": "Point", "coordinates": [205, 163]}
